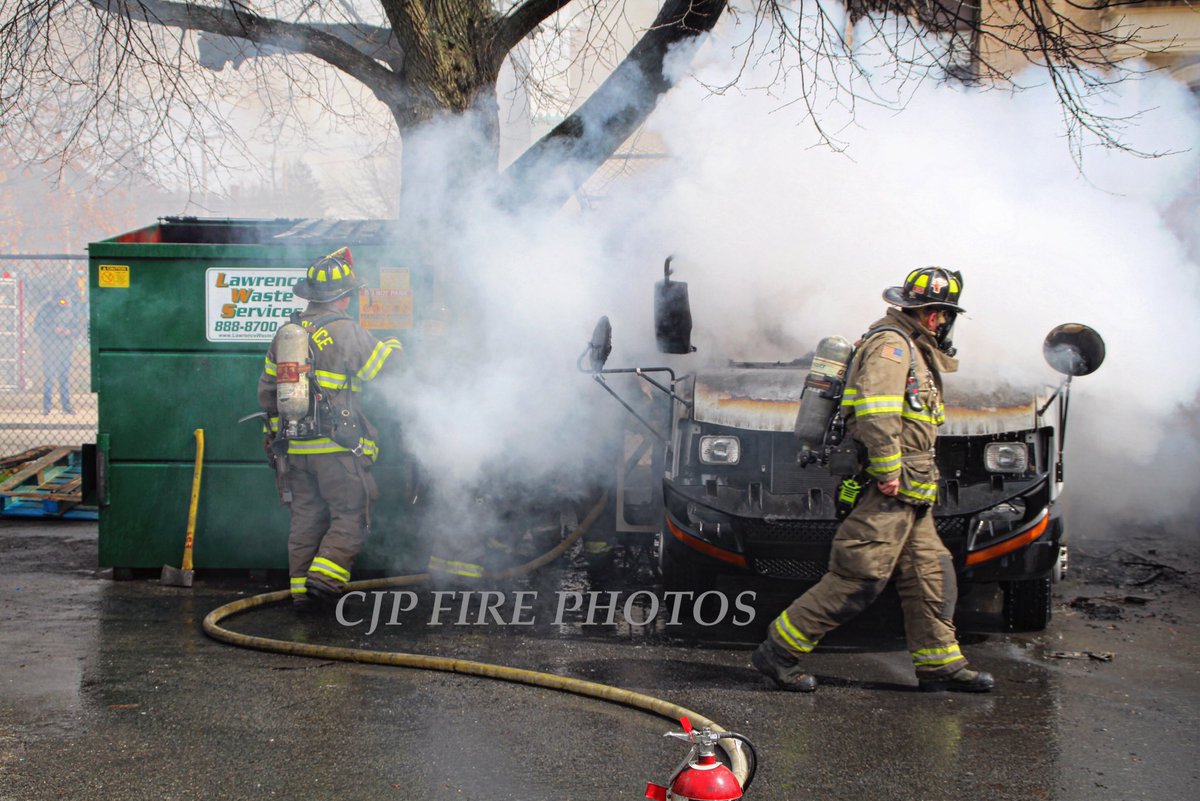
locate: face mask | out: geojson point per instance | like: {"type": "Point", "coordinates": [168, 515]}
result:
{"type": "Point", "coordinates": [945, 334]}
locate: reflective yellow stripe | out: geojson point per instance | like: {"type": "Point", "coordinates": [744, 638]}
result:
{"type": "Point", "coordinates": [851, 399]}
{"type": "Point", "coordinates": [497, 545]}
{"type": "Point", "coordinates": [884, 464]}
{"type": "Point", "coordinates": [329, 568]}
{"type": "Point", "coordinates": [596, 547]}
{"type": "Point", "coordinates": [324, 572]}
{"type": "Point", "coordinates": [327, 379]}
{"type": "Point", "coordinates": [378, 356]}
{"type": "Point", "coordinates": [924, 416]}
{"type": "Point", "coordinates": [920, 491]}
{"type": "Point", "coordinates": [305, 447]}
{"type": "Point", "coordinates": [877, 404]}
{"type": "Point", "coordinates": [310, 447]}
{"type": "Point", "coordinates": [866, 410]}
{"type": "Point", "coordinates": [269, 367]}
{"type": "Point", "coordinates": [298, 587]}
{"type": "Point", "coordinates": [440, 565]}
{"type": "Point", "coordinates": [792, 635]}
{"type": "Point", "coordinates": [936, 657]}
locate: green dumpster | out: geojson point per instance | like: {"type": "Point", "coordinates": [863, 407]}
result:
{"type": "Point", "coordinates": [182, 312]}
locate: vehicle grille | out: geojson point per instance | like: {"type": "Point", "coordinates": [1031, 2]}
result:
{"type": "Point", "coordinates": [812, 532]}
{"type": "Point", "coordinates": [823, 531]}
{"type": "Point", "coordinates": [819, 532]}
{"type": "Point", "coordinates": [952, 527]}
{"type": "Point", "coordinates": [791, 568]}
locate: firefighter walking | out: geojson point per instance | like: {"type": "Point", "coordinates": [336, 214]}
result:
{"type": "Point", "coordinates": [324, 451]}
{"type": "Point", "coordinates": [892, 405]}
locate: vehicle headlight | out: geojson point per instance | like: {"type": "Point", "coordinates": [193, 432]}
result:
{"type": "Point", "coordinates": [996, 523]}
{"type": "Point", "coordinates": [720, 450]}
{"type": "Point", "coordinates": [1006, 457]}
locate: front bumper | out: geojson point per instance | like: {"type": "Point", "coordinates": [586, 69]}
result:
{"type": "Point", "coordinates": [798, 548]}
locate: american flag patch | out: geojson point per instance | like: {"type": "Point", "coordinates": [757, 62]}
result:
{"type": "Point", "coordinates": [893, 353]}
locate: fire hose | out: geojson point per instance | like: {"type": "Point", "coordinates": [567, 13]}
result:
{"type": "Point", "coordinates": [212, 627]}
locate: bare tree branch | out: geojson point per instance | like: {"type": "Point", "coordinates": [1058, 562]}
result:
{"type": "Point", "coordinates": [581, 142]}
{"type": "Point", "coordinates": [131, 84]}
{"type": "Point", "coordinates": [520, 21]}
{"type": "Point", "coordinates": [239, 22]}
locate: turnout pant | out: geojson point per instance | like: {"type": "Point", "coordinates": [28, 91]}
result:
{"type": "Point", "coordinates": [883, 536]}
{"type": "Point", "coordinates": [331, 493]}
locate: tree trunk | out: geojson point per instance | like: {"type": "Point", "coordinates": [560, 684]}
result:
{"type": "Point", "coordinates": [452, 140]}
{"type": "Point", "coordinates": [446, 163]}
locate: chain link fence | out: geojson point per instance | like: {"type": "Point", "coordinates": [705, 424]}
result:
{"type": "Point", "coordinates": [45, 360]}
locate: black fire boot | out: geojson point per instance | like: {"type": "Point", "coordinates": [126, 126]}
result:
{"type": "Point", "coordinates": [782, 667]}
{"type": "Point", "coordinates": [962, 681]}
{"type": "Point", "coordinates": [302, 605]}
{"type": "Point", "coordinates": [322, 595]}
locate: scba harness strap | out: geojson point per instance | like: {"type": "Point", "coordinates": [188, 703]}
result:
{"type": "Point", "coordinates": [340, 423]}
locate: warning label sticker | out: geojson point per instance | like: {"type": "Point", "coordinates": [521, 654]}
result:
{"type": "Point", "coordinates": [113, 276]}
{"type": "Point", "coordinates": [389, 306]}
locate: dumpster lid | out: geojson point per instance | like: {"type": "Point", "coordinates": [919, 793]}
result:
{"type": "Point", "coordinates": [240, 231]}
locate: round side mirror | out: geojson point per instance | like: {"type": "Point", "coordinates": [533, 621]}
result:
{"type": "Point", "coordinates": [1074, 349]}
{"type": "Point", "coordinates": [600, 345]}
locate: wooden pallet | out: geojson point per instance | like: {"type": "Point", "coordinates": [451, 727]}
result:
{"type": "Point", "coordinates": [47, 485]}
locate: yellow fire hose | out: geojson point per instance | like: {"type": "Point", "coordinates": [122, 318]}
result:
{"type": "Point", "coordinates": [535, 678]}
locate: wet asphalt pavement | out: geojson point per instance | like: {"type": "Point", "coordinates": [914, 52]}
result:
{"type": "Point", "coordinates": [110, 690]}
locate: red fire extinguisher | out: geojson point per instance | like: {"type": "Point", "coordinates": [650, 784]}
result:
{"type": "Point", "coordinates": [701, 777]}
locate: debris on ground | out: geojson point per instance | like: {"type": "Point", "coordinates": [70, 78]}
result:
{"type": "Point", "coordinates": [1125, 567]}
{"type": "Point", "coordinates": [1095, 609]}
{"type": "Point", "coordinates": [1099, 656]}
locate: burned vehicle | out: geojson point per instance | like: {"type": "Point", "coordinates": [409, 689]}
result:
{"type": "Point", "coordinates": [741, 495]}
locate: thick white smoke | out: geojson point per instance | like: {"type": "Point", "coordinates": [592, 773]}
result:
{"type": "Point", "coordinates": [783, 241]}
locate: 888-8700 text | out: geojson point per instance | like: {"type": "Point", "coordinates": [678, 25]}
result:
{"type": "Point", "coordinates": [246, 326]}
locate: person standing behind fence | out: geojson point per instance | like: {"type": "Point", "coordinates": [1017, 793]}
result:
{"type": "Point", "coordinates": [55, 327]}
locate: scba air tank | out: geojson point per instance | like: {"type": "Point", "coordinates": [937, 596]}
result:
{"type": "Point", "coordinates": [291, 366]}
{"type": "Point", "coordinates": [822, 392]}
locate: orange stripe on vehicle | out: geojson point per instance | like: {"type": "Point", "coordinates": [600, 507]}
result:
{"type": "Point", "coordinates": [1008, 546]}
{"type": "Point", "coordinates": [706, 548]}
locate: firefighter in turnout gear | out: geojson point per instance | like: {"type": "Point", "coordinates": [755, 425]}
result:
{"type": "Point", "coordinates": [892, 406]}
{"type": "Point", "coordinates": [323, 462]}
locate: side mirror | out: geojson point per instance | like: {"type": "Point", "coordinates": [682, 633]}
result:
{"type": "Point", "coordinates": [672, 314]}
{"type": "Point", "coordinates": [1074, 349]}
{"type": "Point", "coordinates": [600, 345]}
